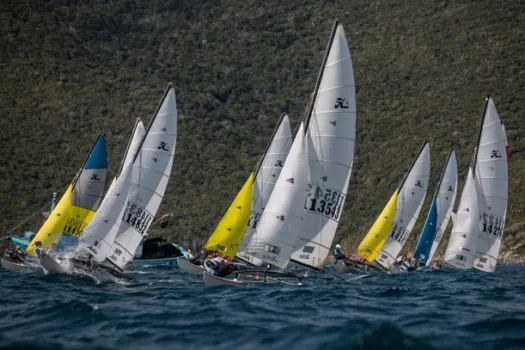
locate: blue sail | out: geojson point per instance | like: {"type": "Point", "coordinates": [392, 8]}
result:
{"type": "Point", "coordinates": [424, 245]}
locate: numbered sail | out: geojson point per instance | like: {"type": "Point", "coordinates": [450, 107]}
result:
{"type": "Point", "coordinates": [409, 202]}
{"type": "Point", "coordinates": [491, 173]}
{"type": "Point", "coordinates": [98, 236]}
{"type": "Point", "coordinates": [439, 213]}
{"type": "Point", "coordinates": [269, 170]}
{"type": "Point", "coordinates": [150, 176]}
{"type": "Point", "coordinates": [374, 240]}
{"type": "Point", "coordinates": [80, 201]}
{"type": "Point", "coordinates": [276, 233]}
{"type": "Point", "coordinates": [461, 247]}
{"type": "Point", "coordinates": [227, 236]}
{"type": "Point", "coordinates": [331, 131]}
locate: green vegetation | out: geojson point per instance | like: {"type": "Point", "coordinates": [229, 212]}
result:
{"type": "Point", "coordinates": [70, 69]}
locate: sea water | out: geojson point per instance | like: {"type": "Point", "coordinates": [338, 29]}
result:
{"type": "Point", "coordinates": [171, 310]}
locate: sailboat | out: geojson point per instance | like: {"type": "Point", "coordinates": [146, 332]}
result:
{"type": "Point", "coordinates": [128, 208]}
{"type": "Point", "coordinates": [78, 204]}
{"type": "Point", "coordinates": [300, 219]}
{"type": "Point", "coordinates": [382, 244]}
{"type": "Point", "coordinates": [478, 227]}
{"type": "Point", "coordinates": [439, 213]}
{"type": "Point", "coordinates": [233, 233]}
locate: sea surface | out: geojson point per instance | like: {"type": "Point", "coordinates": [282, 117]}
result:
{"type": "Point", "coordinates": [171, 310]}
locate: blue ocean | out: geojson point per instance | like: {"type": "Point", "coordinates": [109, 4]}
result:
{"type": "Point", "coordinates": [167, 309]}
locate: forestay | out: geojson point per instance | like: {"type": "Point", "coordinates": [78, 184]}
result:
{"type": "Point", "coordinates": [409, 202]}
{"type": "Point", "coordinates": [269, 169]}
{"type": "Point", "coordinates": [461, 248]}
{"type": "Point", "coordinates": [439, 213]}
{"type": "Point", "coordinates": [331, 135]}
{"type": "Point", "coordinates": [491, 174]}
{"type": "Point", "coordinates": [275, 237]}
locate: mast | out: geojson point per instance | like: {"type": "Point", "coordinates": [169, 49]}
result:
{"type": "Point", "coordinates": [475, 160]}
{"type": "Point", "coordinates": [259, 163]}
{"type": "Point", "coordinates": [413, 163]}
{"type": "Point", "coordinates": [170, 85]}
{"type": "Point", "coordinates": [310, 106]}
{"type": "Point", "coordinates": [128, 146]}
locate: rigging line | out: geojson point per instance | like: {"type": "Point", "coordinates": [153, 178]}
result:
{"type": "Point", "coordinates": [27, 219]}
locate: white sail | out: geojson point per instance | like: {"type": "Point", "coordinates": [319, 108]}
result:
{"type": "Point", "coordinates": [103, 228]}
{"type": "Point", "coordinates": [275, 236]}
{"type": "Point", "coordinates": [331, 129]}
{"type": "Point", "coordinates": [98, 236]}
{"type": "Point", "coordinates": [491, 173]}
{"type": "Point", "coordinates": [410, 200]}
{"type": "Point", "coordinates": [150, 176]}
{"type": "Point", "coordinates": [461, 247]}
{"type": "Point", "coordinates": [270, 168]}
{"type": "Point", "coordinates": [445, 199]}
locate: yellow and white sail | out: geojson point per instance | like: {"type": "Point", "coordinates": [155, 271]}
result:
{"type": "Point", "coordinates": [375, 238]}
{"type": "Point", "coordinates": [227, 236]}
{"type": "Point", "coordinates": [80, 201]}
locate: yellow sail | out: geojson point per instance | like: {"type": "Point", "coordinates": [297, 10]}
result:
{"type": "Point", "coordinates": [229, 233]}
{"type": "Point", "coordinates": [375, 238]}
{"type": "Point", "coordinates": [64, 218]}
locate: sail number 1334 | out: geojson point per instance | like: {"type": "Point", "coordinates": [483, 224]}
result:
{"type": "Point", "coordinates": [327, 202]}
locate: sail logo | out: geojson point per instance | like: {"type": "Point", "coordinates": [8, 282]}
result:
{"type": "Point", "coordinates": [254, 219]}
{"type": "Point", "coordinates": [341, 102]}
{"type": "Point", "coordinates": [95, 177]}
{"type": "Point", "coordinates": [419, 184]}
{"type": "Point", "coordinates": [450, 188]}
{"type": "Point", "coordinates": [279, 163]}
{"type": "Point", "coordinates": [163, 146]}
{"type": "Point", "coordinates": [495, 154]}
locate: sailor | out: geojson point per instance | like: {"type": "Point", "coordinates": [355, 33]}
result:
{"type": "Point", "coordinates": [38, 250]}
{"type": "Point", "coordinates": [18, 255]}
{"type": "Point", "coordinates": [53, 250]}
{"type": "Point", "coordinates": [190, 254]}
{"type": "Point", "coordinates": [338, 254]}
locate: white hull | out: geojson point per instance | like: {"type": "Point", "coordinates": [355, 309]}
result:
{"type": "Point", "coordinates": [51, 266]}
{"type": "Point", "coordinates": [186, 266]}
{"type": "Point", "coordinates": [211, 281]}
{"type": "Point", "coordinates": [12, 266]}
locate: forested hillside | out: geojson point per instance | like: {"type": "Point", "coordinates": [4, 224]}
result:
{"type": "Point", "coordinates": [70, 69]}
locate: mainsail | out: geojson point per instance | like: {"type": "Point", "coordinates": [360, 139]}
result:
{"type": "Point", "coordinates": [461, 247]}
{"type": "Point", "coordinates": [275, 237]}
{"type": "Point", "coordinates": [439, 213]}
{"type": "Point", "coordinates": [229, 233]}
{"type": "Point", "coordinates": [491, 174]}
{"type": "Point", "coordinates": [151, 172]}
{"type": "Point", "coordinates": [409, 202]}
{"type": "Point", "coordinates": [330, 129]}
{"type": "Point", "coordinates": [80, 201]}
{"type": "Point", "coordinates": [268, 172]}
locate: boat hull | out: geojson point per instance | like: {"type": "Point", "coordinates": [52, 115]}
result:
{"type": "Point", "coordinates": [154, 262]}
{"type": "Point", "coordinates": [12, 266]}
{"type": "Point", "coordinates": [212, 281]}
{"type": "Point", "coordinates": [51, 266]}
{"type": "Point", "coordinates": [186, 266]}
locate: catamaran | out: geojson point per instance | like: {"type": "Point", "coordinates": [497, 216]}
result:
{"type": "Point", "coordinates": [303, 211]}
{"type": "Point", "coordinates": [478, 226]}
{"type": "Point", "coordinates": [382, 244]}
{"type": "Point", "coordinates": [77, 206]}
{"type": "Point", "coordinates": [439, 213]}
{"type": "Point", "coordinates": [234, 231]}
{"type": "Point", "coordinates": [127, 211]}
